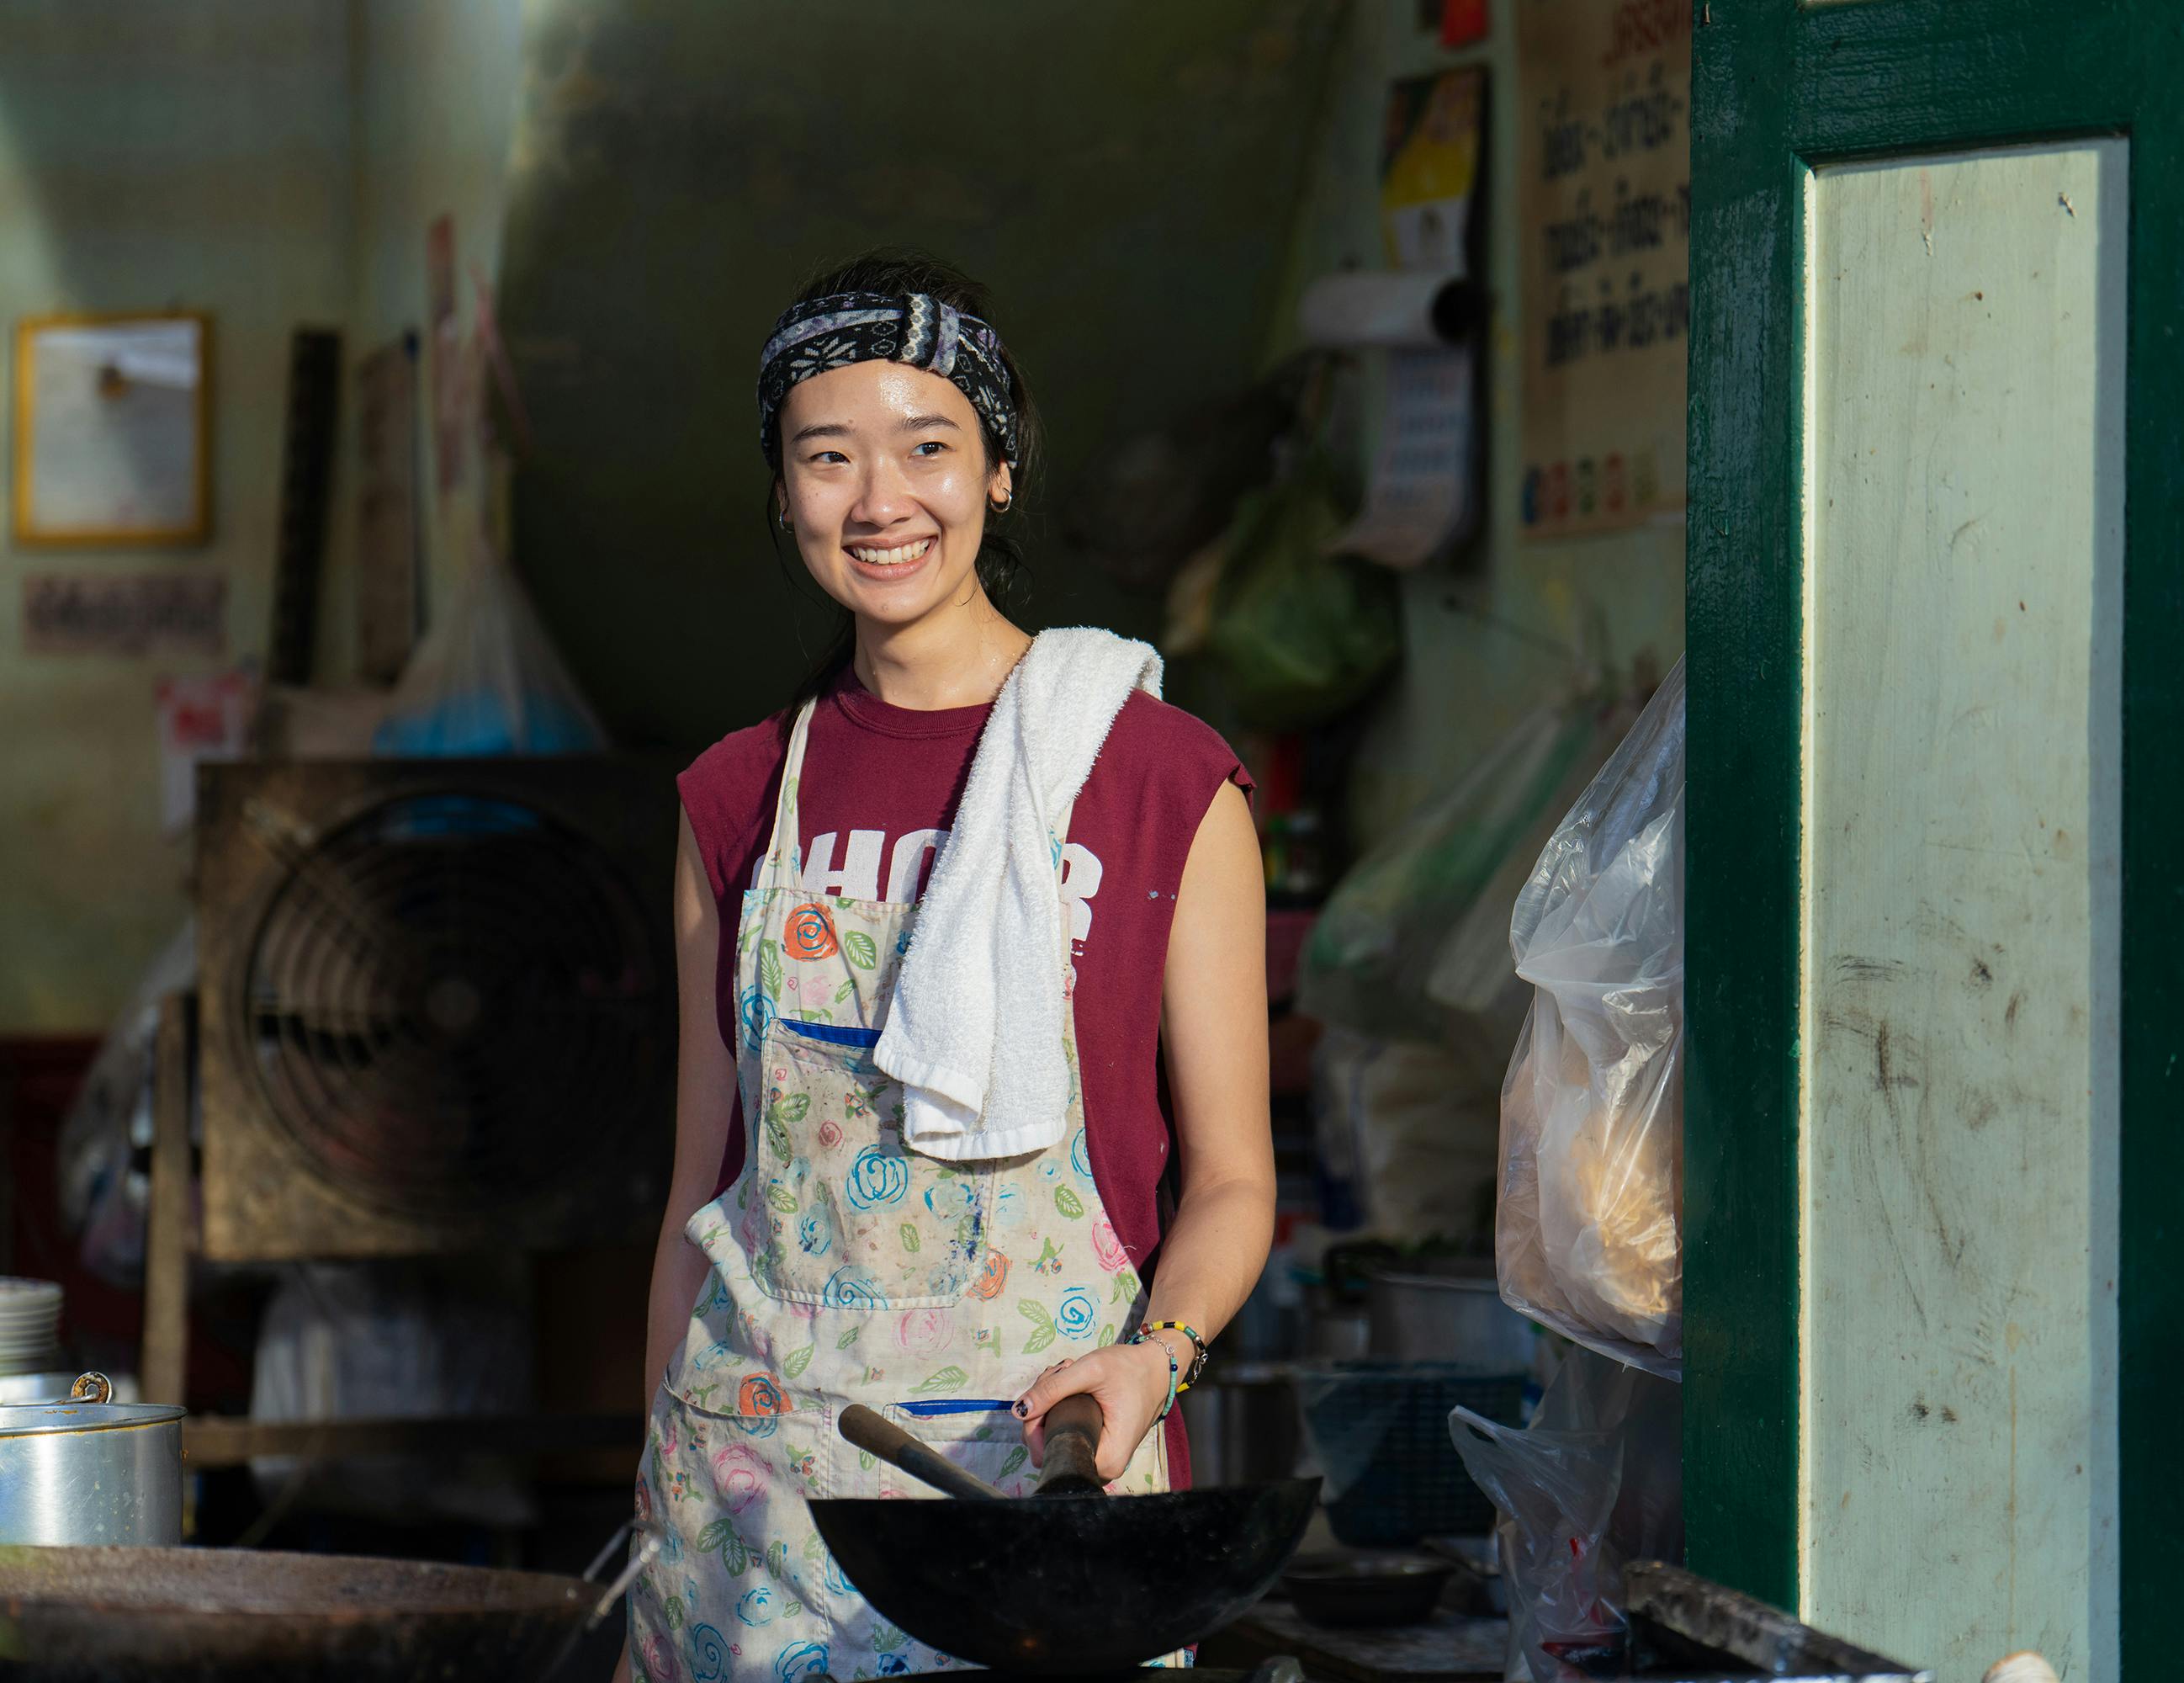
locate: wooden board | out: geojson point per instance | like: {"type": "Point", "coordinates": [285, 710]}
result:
{"type": "Point", "coordinates": [1963, 875]}
{"type": "Point", "coordinates": [169, 1236]}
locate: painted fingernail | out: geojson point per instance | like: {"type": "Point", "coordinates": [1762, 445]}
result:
{"type": "Point", "coordinates": [1022, 1413]}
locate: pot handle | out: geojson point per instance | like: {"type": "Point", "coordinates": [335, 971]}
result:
{"type": "Point", "coordinates": [638, 1561]}
{"type": "Point", "coordinates": [1073, 1426]}
{"type": "Point", "coordinates": [91, 1388]}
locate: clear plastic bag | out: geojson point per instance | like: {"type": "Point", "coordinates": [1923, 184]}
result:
{"type": "Point", "coordinates": [1588, 1230]}
{"type": "Point", "coordinates": [1377, 940]}
{"type": "Point", "coordinates": [103, 1196]}
{"type": "Point", "coordinates": [487, 680]}
{"type": "Point", "coordinates": [1594, 1482]}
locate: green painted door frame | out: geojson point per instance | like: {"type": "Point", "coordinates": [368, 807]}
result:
{"type": "Point", "coordinates": [1778, 87]}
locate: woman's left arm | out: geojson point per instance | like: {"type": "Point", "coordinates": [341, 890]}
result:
{"type": "Point", "coordinates": [1214, 1025]}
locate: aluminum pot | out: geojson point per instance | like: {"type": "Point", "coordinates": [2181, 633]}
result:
{"type": "Point", "coordinates": [91, 1471]}
{"type": "Point", "coordinates": [1456, 1317]}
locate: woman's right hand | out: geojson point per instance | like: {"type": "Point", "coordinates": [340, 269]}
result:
{"type": "Point", "coordinates": [1130, 1382]}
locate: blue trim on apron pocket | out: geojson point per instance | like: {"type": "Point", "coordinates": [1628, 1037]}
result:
{"type": "Point", "coordinates": [834, 1036]}
{"type": "Point", "coordinates": [933, 1409]}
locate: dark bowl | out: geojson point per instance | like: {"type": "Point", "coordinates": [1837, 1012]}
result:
{"type": "Point", "coordinates": [1401, 1589]}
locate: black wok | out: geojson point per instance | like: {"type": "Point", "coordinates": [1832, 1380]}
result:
{"type": "Point", "coordinates": [1058, 1582]}
{"type": "Point", "coordinates": [189, 1615]}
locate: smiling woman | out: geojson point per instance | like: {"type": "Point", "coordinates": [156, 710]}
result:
{"type": "Point", "coordinates": [898, 428]}
{"type": "Point", "coordinates": [922, 1141]}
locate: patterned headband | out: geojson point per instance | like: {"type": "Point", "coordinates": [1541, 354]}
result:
{"type": "Point", "coordinates": [919, 329]}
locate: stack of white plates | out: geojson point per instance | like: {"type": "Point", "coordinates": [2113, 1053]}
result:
{"type": "Point", "coordinates": [30, 1322]}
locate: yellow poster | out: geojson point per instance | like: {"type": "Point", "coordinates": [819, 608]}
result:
{"type": "Point", "coordinates": [1604, 212]}
{"type": "Point", "coordinates": [1429, 168]}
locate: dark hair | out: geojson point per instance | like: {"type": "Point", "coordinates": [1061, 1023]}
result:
{"type": "Point", "coordinates": [899, 272]}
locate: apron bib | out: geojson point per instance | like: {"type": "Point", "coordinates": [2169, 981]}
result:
{"type": "Point", "coordinates": [848, 1268]}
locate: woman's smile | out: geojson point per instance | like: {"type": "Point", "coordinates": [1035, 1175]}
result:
{"type": "Point", "coordinates": [892, 561]}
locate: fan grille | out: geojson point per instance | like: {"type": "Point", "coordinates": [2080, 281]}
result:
{"type": "Point", "coordinates": [454, 1001]}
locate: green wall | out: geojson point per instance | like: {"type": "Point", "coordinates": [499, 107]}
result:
{"type": "Point", "coordinates": [196, 156]}
{"type": "Point", "coordinates": [274, 164]}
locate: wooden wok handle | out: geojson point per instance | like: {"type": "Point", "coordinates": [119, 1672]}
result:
{"type": "Point", "coordinates": [1073, 1426]}
{"type": "Point", "coordinates": [898, 1448]}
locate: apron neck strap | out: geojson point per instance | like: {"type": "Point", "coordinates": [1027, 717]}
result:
{"type": "Point", "coordinates": [784, 850]}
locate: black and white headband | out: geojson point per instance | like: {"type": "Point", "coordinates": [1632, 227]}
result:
{"type": "Point", "coordinates": [919, 329]}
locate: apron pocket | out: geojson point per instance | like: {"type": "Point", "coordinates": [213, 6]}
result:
{"type": "Point", "coordinates": [982, 1437]}
{"type": "Point", "coordinates": [837, 1213]}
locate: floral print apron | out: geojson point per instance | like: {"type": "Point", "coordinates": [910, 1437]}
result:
{"type": "Point", "coordinates": [846, 1269]}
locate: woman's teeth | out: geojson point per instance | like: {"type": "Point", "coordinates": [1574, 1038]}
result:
{"type": "Point", "coordinates": [893, 557]}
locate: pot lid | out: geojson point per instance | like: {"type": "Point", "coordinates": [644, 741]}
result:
{"type": "Point", "coordinates": [87, 1410]}
{"type": "Point", "coordinates": [26, 1419]}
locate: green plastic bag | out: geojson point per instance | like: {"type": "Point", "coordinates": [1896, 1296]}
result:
{"type": "Point", "coordinates": [1298, 635]}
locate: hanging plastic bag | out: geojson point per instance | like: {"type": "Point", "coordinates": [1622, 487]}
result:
{"type": "Point", "coordinates": [1588, 1231]}
{"type": "Point", "coordinates": [487, 680]}
{"type": "Point", "coordinates": [1595, 1482]}
{"type": "Point", "coordinates": [1298, 635]}
{"type": "Point", "coordinates": [1374, 947]}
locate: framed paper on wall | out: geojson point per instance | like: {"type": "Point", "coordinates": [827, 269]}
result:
{"type": "Point", "coordinates": [112, 421]}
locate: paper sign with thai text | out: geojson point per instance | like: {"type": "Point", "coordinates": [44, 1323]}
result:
{"type": "Point", "coordinates": [1604, 190]}
{"type": "Point", "coordinates": [133, 614]}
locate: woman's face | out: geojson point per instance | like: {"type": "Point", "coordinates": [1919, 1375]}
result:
{"type": "Point", "coordinates": [884, 476]}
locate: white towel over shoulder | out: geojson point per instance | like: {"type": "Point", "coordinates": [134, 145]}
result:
{"type": "Point", "coordinates": [974, 1032]}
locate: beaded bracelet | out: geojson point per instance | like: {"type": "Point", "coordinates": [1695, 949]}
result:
{"type": "Point", "coordinates": [1174, 1369]}
{"type": "Point", "coordinates": [1197, 1346]}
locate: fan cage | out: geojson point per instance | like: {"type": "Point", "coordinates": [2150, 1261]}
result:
{"type": "Point", "coordinates": [451, 1001]}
